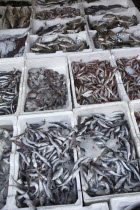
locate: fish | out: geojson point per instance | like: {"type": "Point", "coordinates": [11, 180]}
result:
{"type": "Point", "coordinates": [49, 177]}
{"type": "Point", "coordinates": [59, 43]}
{"type": "Point", "coordinates": [74, 26]}
{"type": "Point", "coordinates": [95, 82]}
{"type": "Point", "coordinates": [16, 17]}
{"type": "Point", "coordinates": [15, 3]}
{"type": "Point", "coordinates": [129, 70]}
{"type": "Point", "coordinates": [66, 12]}
{"type": "Point", "coordinates": [110, 21]}
{"type": "Point", "coordinates": [106, 141]}
{"type": "Point", "coordinates": [12, 46]}
{"type": "Point", "coordinates": [102, 9]}
{"type": "Point", "coordinates": [6, 134]}
{"type": "Point", "coordinates": [9, 91]}
{"type": "Point", "coordinates": [51, 3]}
{"type": "Point", "coordinates": [47, 90]}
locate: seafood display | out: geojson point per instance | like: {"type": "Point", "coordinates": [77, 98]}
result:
{"type": "Point", "coordinates": [46, 166]}
{"type": "Point", "coordinates": [59, 43]}
{"type": "Point", "coordinates": [5, 150]}
{"type": "Point", "coordinates": [95, 82]}
{"type": "Point", "coordinates": [50, 3]}
{"type": "Point", "coordinates": [66, 12]}
{"type": "Point", "coordinates": [110, 40]}
{"type": "Point", "coordinates": [129, 69]}
{"type": "Point", "coordinates": [110, 21]}
{"type": "Point", "coordinates": [137, 116]}
{"type": "Point", "coordinates": [16, 17]}
{"type": "Point", "coordinates": [15, 3]}
{"type": "Point", "coordinates": [48, 90]}
{"type": "Point", "coordinates": [9, 91]}
{"type": "Point", "coordinates": [74, 26]}
{"type": "Point", "coordinates": [12, 46]}
{"type": "Point", "coordinates": [101, 9]}
{"type": "Point", "coordinates": [111, 164]}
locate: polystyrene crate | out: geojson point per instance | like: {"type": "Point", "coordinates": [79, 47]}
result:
{"type": "Point", "coordinates": [58, 64]}
{"type": "Point", "coordinates": [90, 57]}
{"type": "Point", "coordinates": [106, 109]}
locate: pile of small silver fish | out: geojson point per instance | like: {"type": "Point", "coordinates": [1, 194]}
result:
{"type": "Point", "coordinates": [12, 46]}
{"type": "Point", "coordinates": [137, 116]}
{"type": "Point", "coordinates": [59, 43]}
{"type": "Point", "coordinates": [130, 74]}
{"type": "Point", "coordinates": [50, 3]}
{"type": "Point", "coordinates": [9, 91]}
{"type": "Point", "coordinates": [74, 26]}
{"type": "Point", "coordinates": [15, 3]}
{"type": "Point", "coordinates": [48, 90]}
{"type": "Point", "coordinates": [95, 82]}
{"type": "Point", "coordinates": [5, 150]}
{"type": "Point", "coordinates": [111, 164]}
{"type": "Point", "coordinates": [16, 17]}
{"type": "Point", "coordinates": [109, 39]}
{"type": "Point", "coordinates": [46, 166]}
{"type": "Point", "coordinates": [101, 9]}
{"type": "Point", "coordinates": [66, 12]}
{"type": "Point", "coordinates": [110, 21]}
{"type": "Point", "coordinates": [132, 207]}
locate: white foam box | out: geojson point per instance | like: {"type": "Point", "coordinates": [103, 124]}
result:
{"type": "Point", "coordinates": [101, 56]}
{"type": "Point", "coordinates": [33, 38]}
{"type": "Point", "coordinates": [58, 64]}
{"type": "Point", "coordinates": [106, 109]}
{"type": "Point", "coordinates": [120, 203]}
{"type": "Point", "coordinates": [10, 123]}
{"type": "Point", "coordinates": [2, 12]}
{"type": "Point", "coordinates": [129, 12]}
{"type": "Point", "coordinates": [12, 33]}
{"type": "Point", "coordinates": [51, 117]}
{"type": "Point", "coordinates": [10, 64]}
{"type": "Point", "coordinates": [124, 3]}
{"type": "Point", "coordinates": [36, 24]}
{"type": "Point", "coordinates": [125, 53]}
{"type": "Point", "coordinates": [135, 30]}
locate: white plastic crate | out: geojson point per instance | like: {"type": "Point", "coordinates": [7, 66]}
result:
{"type": "Point", "coordinates": [11, 64]}
{"type": "Point", "coordinates": [125, 53]}
{"type": "Point", "coordinates": [32, 39]}
{"type": "Point", "coordinates": [51, 117]}
{"type": "Point", "coordinates": [129, 12]}
{"type": "Point", "coordinates": [106, 109]}
{"type": "Point", "coordinates": [120, 203]}
{"type": "Point", "coordinates": [36, 24]}
{"type": "Point", "coordinates": [58, 64]}
{"type": "Point", "coordinates": [90, 57]}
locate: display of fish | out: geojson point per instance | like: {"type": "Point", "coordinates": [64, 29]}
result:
{"type": "Point", "coordinates": [94, 82]}
{"type": "Point", "coordinates": [112, 165]}
{"type": "Point", "coordinates": [129, 69]}
{"type": "Point", "coordinates": [60, 43]}
{"type": "Point", "coordinates": [5, 151]}
{"type": "Point", "coordinates": [110, 21]}
{"type": "Point", "coordinates": [47, 170]}
{"type": "Point", "coordinates": [16, 17]}
{"type": "Point", "coordinates": [48, 90]}
{"type": "Point", "coordinates": [102, 9]}
{"type": "Point", "coordinates": [110, 40]}
{"type": "Point", "coordinates": [12, 46]}
{"type": "Point", "coordinates": [137, 116]}
{"type": "Point", "coordinates": [66, 12]}
{"type": "Point", "coordinates": [9, 91]}
{"type": "Point", "coordinates": [50, 3]}
{"type": "Point", "coordinates": [74, 26]}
